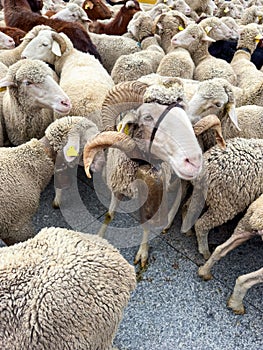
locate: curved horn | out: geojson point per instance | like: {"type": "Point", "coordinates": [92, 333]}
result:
{"type": "Point", "coordinates": [122, 97]}
{"type": "Point", "coordinates": [108, 139]}
{"type": "Point", "coordinates": [58, 38]}
{"type": "Point", "coordinates": [211, 122]}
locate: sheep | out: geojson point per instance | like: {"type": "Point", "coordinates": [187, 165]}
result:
{"type": "Point", "coordinates": [121, 171]}
{"type": "Point", "coordinates": [179, 5]}
{"type": "Point", "coordinates": [27, 169]}
{"type": "Point", "coordinates": [72, 13]}
{"type": "Point", "coordinates": [177, 61]}
{"type": "Point", "coordinates": [246, 72]}
{"type": "Point", "coordinates": [198, 7]}
{"type": "Point", "coordinates": [96, 9]}
{"type": "Point", "coordinates": [216, 29]}
{"type": "Point", "coordinates": [252, 14]}
{"type": "Point", "coordinates": [249, 226]}
{"type": "Point", "coordinates": [226, 181]}
{"type": "Point", "coordinates": [133, 66]}
{"type": "Point", "coordinates": [6, 41]}
{"type": "Point", "coordinates": [157, 10]}
{"type": "Point", "coordinates": [30, 100]}
{"type": "Point", "coordinates": [118, 25]}
{"type": "Point", "coordinates": [195, 40]}
{"type": "Point", "coordinates": [230, 10]}
{"type": "Point", "coordinates": [15, 33]}
{"type": "Point", "coordinates": [19, 13]}
{"type": "Point", "coordinates": [111, 47]}
{"type": "Point", "coordinates": [80, 73]}
{"type": "Point", "coordinates": [73, 296]}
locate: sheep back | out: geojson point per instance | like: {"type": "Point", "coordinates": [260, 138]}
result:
{"type": "Point", "coordinates": [62, 290]}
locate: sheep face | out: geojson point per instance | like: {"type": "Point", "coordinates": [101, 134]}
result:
{"type": "Point", "coordinates": [190, 38]}
{"type": "Point", "coordinates": [43, 47]}
{"type": "Point", "coordinates": [6, 42]}
{"type": "Point", "coordinates": [32, 82]}
{"type": "Point", "coordinates": [218, 30]}
{"type": "Point", "coordinates": [174, 141]}
{"type": "Point", "coordinates": [72, 13]}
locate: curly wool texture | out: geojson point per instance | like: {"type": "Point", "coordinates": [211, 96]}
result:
{"type": "Point", "coordinates": [229, 174]}
{"type": "Point", "coordinates": [167, 93]}
{"type": "Point", "coordinates": [62, 290]}
{"type": "Point", "coordinates": [253, 219]}
{"type": "Point", "coordinates": [24, 172]}
{"type": "Point", "coordinates": [57, 133]}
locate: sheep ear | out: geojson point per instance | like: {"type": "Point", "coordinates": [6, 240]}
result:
{"type": "Point", "coordinates": [4, 83]}
{"type": "Point", "coordinates": [71, 149]}
{"type": "Point", "coordinates": [207, 38]}
{"type": "Point", "coordinates": [56, 48]}
{"type": "Point", "coordinates": [232, 114]}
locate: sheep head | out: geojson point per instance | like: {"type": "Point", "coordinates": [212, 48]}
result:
{"type": "Point", "coordinates": [47, 46]}
{"type": "Point", "coordinates": [161, 130]}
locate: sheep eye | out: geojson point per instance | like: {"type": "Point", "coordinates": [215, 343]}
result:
{"type": "Point", "coordinates": [148, 117]}
{"type": "Point", "coordinates": [218, 104]}
{"type": "Point", "coordinates": [27, 83]}
{"type": "Point", "coordinates": [45, 44]}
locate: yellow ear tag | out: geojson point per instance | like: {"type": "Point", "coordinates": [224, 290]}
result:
{"type": "Point", "coordinates": [119, 127]}
{"type": "Point", "coordinates": [180, 28]}
{"type": "Point", "coordinates": [71, 152]}
{"type": "Point", "coordinates": [3, 88]}
{"type": "Point", "coordinates": [165, 1]}
{"type": "Point", "coordinates": [86, 6]}
{"type": "Point", "coordinates": [226, 10]}
{"type": "Point", "coordinates": [208, 29]}
{"type": "Point", "coordinates": [258, 38]}
{"type": "Point", "coordinates": [126, 129]}
{"type": "Point", "coordinates": [259, 18]}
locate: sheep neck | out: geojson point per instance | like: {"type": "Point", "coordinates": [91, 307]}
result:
{"type": "Point", "coordinates": [199, 53]}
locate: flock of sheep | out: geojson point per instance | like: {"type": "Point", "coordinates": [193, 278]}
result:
{"type": "Point", "coordinates": [80, 77]}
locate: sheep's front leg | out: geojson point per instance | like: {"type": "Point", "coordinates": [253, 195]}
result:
{"type": "Point", "coordinates": [142, 254]}
{"type": "Point", "coordinates": [115, 200]}
{"type": "Point", "coordinates": [234, 241]}
{"type": "Point", "coordinates": [243, 283]}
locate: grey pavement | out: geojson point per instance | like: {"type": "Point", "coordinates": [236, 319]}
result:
{"type": "Point", "coordinates": [171, 308]}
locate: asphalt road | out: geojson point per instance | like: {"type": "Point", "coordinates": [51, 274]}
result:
{"type": "Point", "coordinates": [171, 308]}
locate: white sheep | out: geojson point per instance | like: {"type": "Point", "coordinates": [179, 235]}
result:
{"type": "Point", "coordinates": [26, 170]}
{"type": "Point", "coordinates": [30, 101]}
{"type": "Point", "coordinates": [177, 62]}
{"type": "Point", "coordinates": [72, 13]}
{"type": "Point", "coordinates": [133, 66]}
{"type": "Point", "coordinates": [248, 76]}
{"type": "Point", "coordinates": [68, 291]}
{"type": "Point", "coordinates": [6, 42]}
{"type": "Point", "coordinates": [249, 226]}
{"type": "Point", "coordinates": [232, 179]}
{"type": "Point", "coordinates": [195, 40]}
{"type": "Point", "coordinates": [252, 14]}
{"type": "Point", "coordinates": [179, 5]}
{"type": "Point", "coordinates": [82, 76]}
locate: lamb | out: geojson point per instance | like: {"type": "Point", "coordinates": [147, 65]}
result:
{"type": "Point", "coordinates": [230, 10]}
{"type": "Point", "coordinates": [73, 296]}
{"type": "Point", "coordinates": [249, 226]}
{"type": "Point", "coordinates": [226, 181]}
{"type": "Point", "coordinates": [15, 33]}
{"type": "Point", "coordinates": [80, 73]}
{"type": "Point", "coordinates": [216, 96]}
{"type": "Point", "coordinates": [30, 101]}
{"type": "Point", "coordinates": [96, 9]}
{"type": "Point", "coordinates": [19, 13]}
{"type": "Point", "coordinates": [195, 40]}
{"type": "Point", "coordinates": [198, 7]}
{"type": "Point", "coordinates": [177, 61]}
{"type": "Point", "coordinates": [27, 169]}
{"type": "Point", "coordinates": [121, 171]}
{"type": "Point", "coordinates": [118, 25]}
{"type": "Point", "coordinates": [247, 74]}
{"type": "Point", "coordinates": [216, 29]}
{"type": "Point", "coordinates": [157, 10]}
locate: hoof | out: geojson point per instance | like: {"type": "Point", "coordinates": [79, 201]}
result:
{"type": "Point", "coordinates": [206, 276]}
{"type": "Point", "coordinates": [238, 309]}
{"type": "Point", "coordinates": [55, 204]}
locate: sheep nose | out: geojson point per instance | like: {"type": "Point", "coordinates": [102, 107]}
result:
{"type": "Point", "coordinates": [195, 161]}
{"type": "Point", "coordinates": [23, 57]}
{"type": "Point", "coordinates": [66, 103]}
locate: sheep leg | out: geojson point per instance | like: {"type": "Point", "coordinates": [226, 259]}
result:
{"type": "Point", "coordinates": [142, 254]}
{"type": "Point", "coordinates": [109, 216]}
{"type": "Point", "coordinates": [208, 220]}
{"type": "Point", "coordinates": [234, 241]}
{"type": "Point", "coordinates": [243, 283]}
